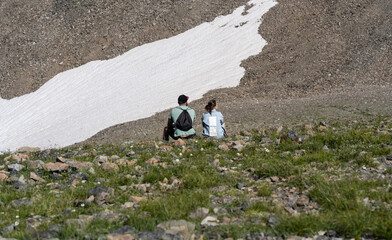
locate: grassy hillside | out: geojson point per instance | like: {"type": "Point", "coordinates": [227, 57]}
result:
{"type": "Point", "coordinates": [317, 181]}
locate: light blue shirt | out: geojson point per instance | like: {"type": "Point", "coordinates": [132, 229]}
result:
{"type": "Point", "coordinates": [213, 124]}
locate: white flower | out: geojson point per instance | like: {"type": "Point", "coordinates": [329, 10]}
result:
{"type": "Point", "coordinates": [16, 223]}
{"type": "Point", "coordinates": [17, 216]}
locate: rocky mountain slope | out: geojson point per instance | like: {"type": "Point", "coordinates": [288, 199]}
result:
{"type": "Point", "coordinates": [329, 55]}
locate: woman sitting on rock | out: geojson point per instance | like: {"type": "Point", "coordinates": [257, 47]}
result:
{"type": "Point", "coordinates": [213, 122]}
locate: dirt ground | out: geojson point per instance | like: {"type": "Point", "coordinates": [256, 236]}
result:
{"type": "Point", "coordinates": [245, 113]}
{"type": "Point", "coordinates": [325, 61]}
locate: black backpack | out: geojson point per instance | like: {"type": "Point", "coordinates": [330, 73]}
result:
{"type": "Point", "coordinates": [184, 121]}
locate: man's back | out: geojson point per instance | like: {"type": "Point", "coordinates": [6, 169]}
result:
{"type": "Point", "coordinates": [175, 113]}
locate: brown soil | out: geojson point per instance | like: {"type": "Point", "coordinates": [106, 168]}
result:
{"type": "Point", "coordinates": [326, 60]}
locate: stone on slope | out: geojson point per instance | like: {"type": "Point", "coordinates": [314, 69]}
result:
{"type": "Point", "coordinates": [28, 149]}
{"type": "Point", "coordinates": [21, 202]}
{"type": "Point", "coordinates": [3, 176]}
{"type": "Point", "coordinates": [200, 213]}
{"type": "Point", "coordinates": [210, 221]}
{"type": "Point", "coordinates": [33, 165]}
{"type": "Point", "coordinates": [98, 160]}
{"type": "Point", "coordinates": [80, 165]}
{"type": "Point", "coordinates": [15, 167]}
{"type": "Point", "coordinates": [178, 227]}
{"type": "Point", "coordinates": [55, 167]}
{"type": "Point", "coordinates": [108, 166]}
{"type": "Point", "coordinates": [35, 177]}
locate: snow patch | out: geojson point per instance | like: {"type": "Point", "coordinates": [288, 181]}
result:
{"type": "Point", "coordinates": [76, 104]}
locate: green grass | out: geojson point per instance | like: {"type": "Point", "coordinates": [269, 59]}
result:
{"type": "Point", "coordinates": [352, 204]}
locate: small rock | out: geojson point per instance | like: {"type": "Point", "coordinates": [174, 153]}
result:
{"type": "Point", "coordinates": [82, 221]}
{"type": "Point", "coordinates": [272, 220]}
{"type": "Point", "coordinates": [210, 221]}
{"type": "Point", "coordinates": [298, 153]}
{"type": "Point", "coordinates": [33, 223]}
{"type": "Point", "coordinates": [114, 158]}
{"type": "Point", "coordinates": [130, 154]}
{"type": "Point", "coordinates": [47, 234]}
{"type": "Point", "coordinates": [55, 167]}
{"type": "Point", "coordinates": [330, 233]}
{"type": "Point", "coordinates": [19, 185]}
{"type": "Point", "coordinates": [34, 165]}
{"type": "Point", "coordinates": [61, 159]}
{"type": "Point", "coordinates": [100, 159]}
{"type": "Point", "coordinates": [112, 216]}
{"type": "Point", "coordinates": [80, 165]}
{"type": "Point", "coordinates": [238, 145]}
{"type": "Point", "coordinates": [224, 147]}
{"type": "Point", "coordinates": [8, 229]}
{"type": "Point", "coordinates": [127, 205]}
{"type": "Point", "coordinates": [137, 199]}
{"type": "Point", "coordinates": [102, 198]}
{"type": "Point", "coordinates": [108, 166]}
{"type": "Point", "coordinates": [240, 185]}
{"type": "Point", "coordinates": [178, 227]}
{"type": "Point", "coordinates": [126, 236]}
{"type": "Point", "coordinates": [274, 179]}
{"type": "Point", "coordinates": [179, 142]}
{"type": "Point", "coordinates": [21, 202]}
{"type": "Point", "coordinates": [3, 177]}
{"type": "Point", "coordinates": [35, 177]}
{"type": "Point", "coordinates": [152, 161]}
{"type": "Point", "coordinates": [215, 163]}
{"type": "Point", "coordinates": [28, 149]}
{"type": "Point", "coordinates": [15, 167]}
{"type": "Point", "coordinates": [166, 148]}
{"type": "Point", "coordinates": [219, 210]}
{"type": "Point", "coordinates": [124, 162]}
{"type": "Point", "coordinates": [293, 136]}
{"type": "Point", "coordinates": [322, 128]}
{"type": "Point", "coordinates": [303, 201]}
{"type": "Point", "coordinates": [200, 213]}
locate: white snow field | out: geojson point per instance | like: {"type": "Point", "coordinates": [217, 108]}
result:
{"type": "Point", "coordinates": [78, 103]}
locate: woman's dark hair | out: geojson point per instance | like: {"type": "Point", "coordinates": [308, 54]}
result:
{"type": "Point", "coordinates": [211, 104]}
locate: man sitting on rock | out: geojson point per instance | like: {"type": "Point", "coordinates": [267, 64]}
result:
{"type": "Point", "coordinates": [180, 122]}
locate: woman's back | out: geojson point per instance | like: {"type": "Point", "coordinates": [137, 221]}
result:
{"type": "Point", "coordinates": [213, 124]}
